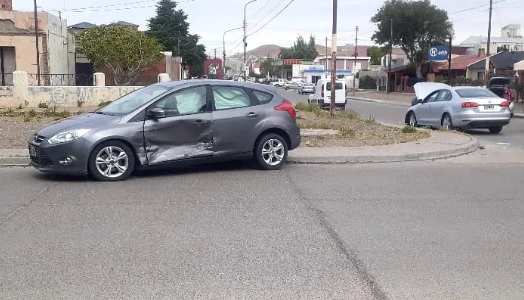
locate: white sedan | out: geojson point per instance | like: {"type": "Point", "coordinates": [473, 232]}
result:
{"type": "Point", "coordinates": [440, 105]}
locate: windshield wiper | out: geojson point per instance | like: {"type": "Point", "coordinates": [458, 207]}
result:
{"type": "Point", "coordinates": [104, 113]}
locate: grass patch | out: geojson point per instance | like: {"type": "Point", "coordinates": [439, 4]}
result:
{"type": "Point", "coordinates": [43, 105]}
{"type": "Point", "coordinates": [409, 129]}
{"type": "Point", "coordinates": [353, 130]}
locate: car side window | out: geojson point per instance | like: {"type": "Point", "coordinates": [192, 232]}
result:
{"type": "Point", "coordinates": [432, 97]}
{"type": "Point", "coordinates": [444, 95]}
{"type": "Point", "coordinates": [185, 102]}
{"type": "Point", "coordinates": [262, 98]}
{"type": "Point", "coordinates": [230, 97]}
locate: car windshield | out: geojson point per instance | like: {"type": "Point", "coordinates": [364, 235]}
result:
{"type": "Point", "coordinates": [130, 102]}
{"type": "Point", "coordinates": [475, 93]}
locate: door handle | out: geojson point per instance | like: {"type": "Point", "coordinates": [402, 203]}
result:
{"type": "Point", "coordinates": [199, 122]}
{"type": "Point", "coordinates": [252, 115]}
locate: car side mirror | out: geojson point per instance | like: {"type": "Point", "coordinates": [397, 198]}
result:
{"type": "Point", "coordinates": [420, 100]}
{"type": "Point", "coordinates": [157, 113]}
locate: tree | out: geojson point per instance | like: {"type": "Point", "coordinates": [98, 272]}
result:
{"type": "Point", "coordinates": [417, 25]}
{"type": "Point", "coordinates": [267, 66]}
{"type": "Point", "coordinates": [171, 29]}
{"type": "Point", "coordinates": [125, 51]}
{"type": "Point", "coordinates": [504, 48]}
{"type": "Point", "coordinates": [300, 49]}
{"type": "Point", "coordinates": [376, 54]}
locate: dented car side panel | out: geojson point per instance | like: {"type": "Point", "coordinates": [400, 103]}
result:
{"type": "Point", "coordinates": [177, 138]}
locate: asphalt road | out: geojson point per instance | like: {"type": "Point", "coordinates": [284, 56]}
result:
{"type": "Point", "coordinates": [433, 230]}
{"type": "Point", "coordinates": [512, 136]}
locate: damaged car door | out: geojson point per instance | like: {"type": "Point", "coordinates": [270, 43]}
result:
{"type": "Point", "coordinates": [178, 126]}
{"type": "Point", "coordinates": [234, 120]}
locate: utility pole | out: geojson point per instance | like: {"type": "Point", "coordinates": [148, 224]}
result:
{"type": "Point", "coordinates": [333, 59]}
{"type": "Point", "coordinates": [449, 58]}
{"type": "Point", "coordinates": [245, 41]}
{"type": "Point", "coordinates": [326, 64]}
{"type": "Point", "coordinates": [36, 44]}
{"type": "Point", "coordinates": [488, 46]}
{"type": "Point", "coordinates": [390, 55]}
{"type": "Point", "coordinates": [355, 63]}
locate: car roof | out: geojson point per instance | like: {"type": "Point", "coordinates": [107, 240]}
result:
{"type": "Point", "coordinates": [191, 82]}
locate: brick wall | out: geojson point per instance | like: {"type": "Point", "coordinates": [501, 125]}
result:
{"type": "Point", "coordinates": [6, 5]}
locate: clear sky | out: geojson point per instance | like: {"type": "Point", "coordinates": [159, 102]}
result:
{"type": "Point", "coordinates": [211, 18]}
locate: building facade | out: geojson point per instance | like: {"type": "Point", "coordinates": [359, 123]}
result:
{"type": "Point", "coordinates": [18, 50]}
{"type": "Point", "coordinates": [6, 5]}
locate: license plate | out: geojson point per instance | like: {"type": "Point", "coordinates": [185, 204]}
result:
{"type": "Point", "coordinates": [491, 106]}
{"type": "Point", "coordinates": [32, 150]}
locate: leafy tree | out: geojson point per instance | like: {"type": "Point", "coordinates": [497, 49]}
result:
{"type": "Point", "coordinates": [125, 51]}
{"type": "Point", "coordinates": [300, 49]}
{"type": "Point", "coordinates": [376, 54]}
{"type": "Point", "coordinates": [504, 48]}
{"type": "Point", "coordinates": [171, 29]}
{"type": "Point", "coordinates": [417, 25]}
{"type": "Point", "coordinates": [267, 66]}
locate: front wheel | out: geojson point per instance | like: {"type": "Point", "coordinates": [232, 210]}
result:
{"type": "Point", "coordinates": [447, 123]}
{"type": "Point", "coordinates": [111, 161]}
{"type": "Point", "coordinates": [271, 152]}
{"type": "Point", "coordinates": [412, 119]}
{"type": "Point", "coordinates": [495, 129]}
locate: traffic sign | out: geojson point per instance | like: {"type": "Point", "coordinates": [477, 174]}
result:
{"type": "Point", "coordinates": [437, 53]}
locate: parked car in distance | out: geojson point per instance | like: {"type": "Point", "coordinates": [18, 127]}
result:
{"type": "Point", "coordinates": [179, 122]}
{"type": "Point", "coordinates": [440, 105]}
{"type": "Point", "coordinates": [496, 85]}
{"type": "Point", "coordinates": [293, 85]}
{"type": "Point", "coordinates": [306, 88]}
{"type": "Point", "coordinates": [278, 82]}
{"type": "Point", "coordinates": [322, 94]}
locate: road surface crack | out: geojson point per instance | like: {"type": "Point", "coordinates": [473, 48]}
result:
{"type": "Point", "coordinates": [362, 272]}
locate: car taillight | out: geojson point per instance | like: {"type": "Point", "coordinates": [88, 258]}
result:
{"type": "Point", "coordinates": [469, 104]}
{"type": "Point", "coordinates": [504, 104]}
{"type": "Point", "coordinates": [289, 107]}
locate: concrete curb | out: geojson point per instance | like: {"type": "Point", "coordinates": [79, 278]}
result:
{"type": "Point", "coordinates": [19, 158]}
{"type": "Point", "coordinates": [466, 148]}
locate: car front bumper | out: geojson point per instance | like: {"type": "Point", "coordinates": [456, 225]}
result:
{"type": "Point", "coordinates": [67, 158]}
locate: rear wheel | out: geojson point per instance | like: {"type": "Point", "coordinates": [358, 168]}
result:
{"type": "Point", "coordinates": [271, 152]}
{"type": "Point", "coordinates": [495, 129]}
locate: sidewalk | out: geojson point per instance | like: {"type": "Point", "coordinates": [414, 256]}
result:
{"type": "Point", "coordinates": [397, 99]}
{"type": "Point", "coordinates": [440, 145]}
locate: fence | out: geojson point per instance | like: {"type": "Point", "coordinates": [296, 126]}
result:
{"type": "Point", "coordinates": [59, 80]}
{"type": "Point", "coordinates": [6, 79]}
{"type": "Point", "coordinates": [23, 94]}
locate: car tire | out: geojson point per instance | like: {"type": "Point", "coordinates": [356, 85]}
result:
{"type": "Point", "coordinates": [343, 107]}
{"type": "Point", "coordinates": [116, 161]}
{"type": "Point", "coordinates": [412, 119]}
{"type": "Point", "coordinates": [446, 122]}
{"type": "Point", "coordinates": [495, 129]}
{"type": "Point", "coordinates": [266, 156]}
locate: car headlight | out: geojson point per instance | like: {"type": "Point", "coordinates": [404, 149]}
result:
{"type": "Point", "coordinates": [68, 136]}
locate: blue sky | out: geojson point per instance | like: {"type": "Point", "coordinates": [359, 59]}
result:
{"type": "Point", "coordinates": [211, 18]}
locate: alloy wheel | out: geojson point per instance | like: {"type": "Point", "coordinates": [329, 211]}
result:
{"type": "Point", "coordinates": [112, 162]}
{"type": "Point", "coordinates": [273, 152]}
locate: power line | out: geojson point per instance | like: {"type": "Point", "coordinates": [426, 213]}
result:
{"type": "Point", "coordinates": [268, 14]}
{"type": "Point", "coordinates": [272, 18]}
{"type": "Point", "coordinates": [479, 6]}
{"type": "Point", "coordinates": [260, 9]}
{"type": "Point", "coordinates": [116, 7]}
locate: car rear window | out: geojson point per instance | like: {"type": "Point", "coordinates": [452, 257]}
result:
{"type": "Point", "coordinates": [263, 98]}
{"type": "Point", "coordinates": [338, 86]}
{"type": "Point", "coordinates": [475, 93]}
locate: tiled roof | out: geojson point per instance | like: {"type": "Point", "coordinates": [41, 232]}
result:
{"type": "Point", "coordinates": [462, 62]}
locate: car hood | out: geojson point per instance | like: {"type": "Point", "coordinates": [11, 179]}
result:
{"type": "Point", "coordinates": [423, 89]}
{"type": "Point", "coordinates": [90, 120]}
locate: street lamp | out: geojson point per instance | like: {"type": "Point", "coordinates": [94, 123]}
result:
{"type": "Point", "coordinates": [224, 49]}
{"type": "Point", "coordinates": [245, 41]}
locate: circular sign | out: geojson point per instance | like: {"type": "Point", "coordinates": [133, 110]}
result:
{"type": "Point", "coordinates": [433, 52]}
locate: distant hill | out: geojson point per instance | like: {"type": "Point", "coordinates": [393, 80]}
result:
{"type": "Point", "coordinates": [274, 50]}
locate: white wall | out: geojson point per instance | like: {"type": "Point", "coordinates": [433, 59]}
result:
{"type": "Point", "coordinates": [59, 59]}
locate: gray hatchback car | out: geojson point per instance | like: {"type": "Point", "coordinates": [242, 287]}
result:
{"type": "Point", "coordinates": [189, 122]}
